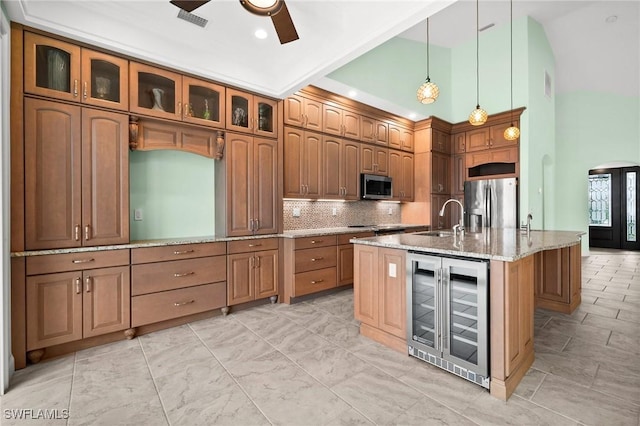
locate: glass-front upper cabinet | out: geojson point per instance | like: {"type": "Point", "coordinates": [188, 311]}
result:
{"type": "Point", "coordinates": [61, 70]}
{"type": "Point", "coordinates": [252, 114]}
{"type": "Point", "coordinates": [154, 91]}
{"type": "Point", "coordinates": [203, 102]}
{"type": "Point", "coordinates": [51, 67]}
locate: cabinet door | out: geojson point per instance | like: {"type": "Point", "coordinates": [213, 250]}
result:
{"type": "Point", "coordinates": [203, 102]}
{"type": "Point", "coordinates": [365, 284]}
{"type": "Point", "coordinates": [238, 116]}
{"type": "Point", "coordinates": [105, 177]}
{"type": "Point", "coordinates": [106, 302]}
{"type": "Point", "coordinates": [332, 120]}
{"type": "Point", "coordinates": [395, 137]}
{"type": "Point", "coordinates": [266, 274]}
{"type": "Point", "coordinates": [407, 177]}
{"type": "Point", "coordinates": [239, 180]}
{"type": "Point", "coordinates": [440, 142]}
{"type": "Point", "coordinates": [313, 115]}
{"type": "Point", "coordinates": [105, 80]}
{"type": "Point", "coordinates": [407, 140]}
{"type": "Point", "coordinates": [478, 139]}
{"type": "Point", "coordinates": [53, 179]}
{"type": "Point", "coordinates": [345, 264]}
{"type": "Point", "coordinates": [265, 186]}
{"type": "Point", "coordinates": [459, 143]}
{"type": "Point", "coordinates": [331, 150]}
{"type": "Point", "coordinates": [54, 309]}
{"type": "Point", "coordinates": [459, 173]}
{"type": "Point", "coordinates": [350, 169]}
{"type": "Point", "coordinates": [392, 292]}
{"type": "Point", "coordinates": [265, 112]}
{"type": "Point", "coordinates": [294, 162]}
{"type": "Point", "coordinates": [552, 280]}
{"type": "Point", "coordinates": [368, 130]}
{"type": "Point", "coordinates": [351, 123]}
{"type": "Point", "coordinates": [382, 133]}
{"type": "Point", "coordinates": [155, 92]}
{"type": "Point", "coordinates": [313, 165]}
{"type": "Point", "coordinates": [240, 278]}
{"type": "Point", "coordinates": [367, 159]}
{"type": "Point", "coordinates": [441, 173]}
{"type": "Point", "coordinates": [395, 173]}
{"type": "Point", "coordinates": [381, 161]}
{"type": "Point", "coordinates": [51, 67]}
{"type": "Point", "coordinates": [497, 139]}
{"type": "Point", "coordinates": [294, 111]}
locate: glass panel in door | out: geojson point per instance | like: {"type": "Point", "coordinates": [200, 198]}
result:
{"type": "Point", "coordinates": [239, 111]}
{"type": "Point", "coordinates": [631, 195]}
{"type": "Point", "coordinates": [53, 68]}
{"type": "Point", "coordinates": [204, 102]}
{"type": "Point", "coordinates": [105, 80]}
{"type": "Point", "coordinates": [424, 309]}
{"type": "Point", "coordinates": [600, 199]}
{"type": "Point", "coordinates": [265, 117]}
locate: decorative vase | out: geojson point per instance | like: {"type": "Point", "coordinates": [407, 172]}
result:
{"type": "Point", "coordinates": [206, 114]}
{"type": "Point", "coordinates": [58, 71]}
{"type": "Point", "coordinates": [157, 99]}
{"type": "Point", "coordinates": [103, 86]}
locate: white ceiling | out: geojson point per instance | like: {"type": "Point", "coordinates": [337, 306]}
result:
{"type": "Point", "coordinates": [589, 52]}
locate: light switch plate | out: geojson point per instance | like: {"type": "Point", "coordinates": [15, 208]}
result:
{"type": "Point", "coordinates": [393, 273]}
{"type": "Point", "coordinates": [334, 211]}
{"type": "Point", "coordinates": [137, 214]}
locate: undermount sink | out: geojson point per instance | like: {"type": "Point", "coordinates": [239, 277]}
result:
{"type": "Point", "coordinates": [436, 233]}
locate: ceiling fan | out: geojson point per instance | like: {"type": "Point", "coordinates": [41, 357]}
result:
{"type": "Point", "coordinates": [276, 9]}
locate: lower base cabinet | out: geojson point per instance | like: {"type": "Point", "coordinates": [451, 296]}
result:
{"type": "Point", "coordinates": [252, 270]}
{"type": "Point", "coordinates": [558, 279]}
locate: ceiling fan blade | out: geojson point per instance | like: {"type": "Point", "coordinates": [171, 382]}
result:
{"type": "Point", "coordinates": [188, 5]}
{"type": "Point", "coordinates": [284, 25]}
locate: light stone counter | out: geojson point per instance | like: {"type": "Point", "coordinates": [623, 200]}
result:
{"type": "Point", "coordinates": [496, 244]}
{"type": "Point", "coordinates": [300, 233]}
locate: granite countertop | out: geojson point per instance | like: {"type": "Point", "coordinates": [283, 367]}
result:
{"type": "Point", "coordinates": [495, 244]}
{"type": "Point", "coordinates": [346, 230]}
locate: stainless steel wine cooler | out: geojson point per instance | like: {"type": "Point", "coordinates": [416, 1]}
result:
{"type": "Point", "coordinates": [447, 322]}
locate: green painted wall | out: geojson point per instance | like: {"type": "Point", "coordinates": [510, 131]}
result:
{"type": "Point", "coordinates": [175, 191]}
{"type": "Point", "coordinates": [591, 129]}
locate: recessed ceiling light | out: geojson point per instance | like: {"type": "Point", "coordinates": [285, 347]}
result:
{"type": "Point", "coordinates": [611, 19]}
{"type": "Point", "coordinates": [261, 34]}
{"type": "Point", "coordinates": [412, 115]}
{"type": "Point", "coordinates": [353, 93]}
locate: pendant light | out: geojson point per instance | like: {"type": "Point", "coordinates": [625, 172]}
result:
{"type": "Point", "coordinates": [511, 133]}
{"type": "Point", "coordinates": [478, 116]}
{"type": "Point", "coordinates": [428, 92]}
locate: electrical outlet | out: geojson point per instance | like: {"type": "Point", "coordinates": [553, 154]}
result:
{"type": "Point", "coordinates": [392, 270]}
{"type": "Point", "coordinates": [390, 210]}
{"type": "Point", "coordinates": [137, 214]}
{"type": "Point", "coordinates": [296, 212]}
{"type": "Point", "coordinates": [334, 211]}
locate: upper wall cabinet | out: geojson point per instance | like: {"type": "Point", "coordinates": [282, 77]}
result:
{"type": "Point", "coordinates": [251, 114]}
{"type": "Point", "coordinates": [303, 112]}
{"type": "Point", "coordinates": [374, 131]}
{"type": "Point", "coordinates": [400, 138]}
{"type": "Point", "coordinates": [340, 122]}
{"type": "Point", "coordinates": [165, 94]}
{"type": "Point", "coordinates": [65, 71]}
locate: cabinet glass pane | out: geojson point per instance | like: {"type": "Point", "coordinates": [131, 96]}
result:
{"type": "Point", "coordinates": [632, 220]}
{"type": "Point", "coordinates": [53, 68]}
{"type": "Point", "coordinates": [600, 200]}
{"type": "Point", "coordinates": [463, 314]}
{"type": "Point", "coordinates": [240, 111]}
{"type": "Point", "coordinates": [424, 304]}
{"type": "Point", "coordinates": [156, 92]}
{"type": "Point", "coordinates": [265, 117]}
{"type": "Point", "coordinates": [204, 103]}
{"type": "Point", "coordinates": [105, 80]}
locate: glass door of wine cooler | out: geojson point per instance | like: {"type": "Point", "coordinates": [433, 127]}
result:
{"type": "Point", "coordinates": [424, 319]}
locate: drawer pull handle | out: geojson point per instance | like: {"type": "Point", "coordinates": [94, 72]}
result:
{"type": "Point", "coordinates": [188, 302]}
{"type": "Point", "coordinates": [255, 245]}
{"type": "Point", "coordinates": [316, 281]}
{"type": "Point", "coordinates": [183, 251]}
{"type": "Point", "coordinates": [315, 242]}
{"type": "Point", "coordinates": [316, 259]}
{"type": "Point", "coordinates": [83, 260]}
{"type": "Point", "coordinates": [183, 274]}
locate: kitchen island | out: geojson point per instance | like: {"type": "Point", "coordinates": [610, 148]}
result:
{"type": "Point", "coordinates": [524, 269]}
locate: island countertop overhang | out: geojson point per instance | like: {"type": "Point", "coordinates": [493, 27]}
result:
{"type": "Point", "coordinates": [501, 244]}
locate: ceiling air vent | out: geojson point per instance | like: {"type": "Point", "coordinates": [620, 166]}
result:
{"type": "Point", "coordinates": [194, 19]}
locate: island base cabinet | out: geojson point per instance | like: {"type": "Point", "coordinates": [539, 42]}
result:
{"type": "Point", "coordinates": [558, 279]}
{"type": "Point", "coordinates": [379, 290]}
{"type": "Point", "coordinates": [511, 323]}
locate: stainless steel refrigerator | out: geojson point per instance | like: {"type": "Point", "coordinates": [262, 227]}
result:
{"type": "Point", "coordinates": [491, 203]}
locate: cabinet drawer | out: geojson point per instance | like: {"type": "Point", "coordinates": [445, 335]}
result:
{"type": "Point", "coordinates": [311, 242]}
{"type": "Point", "coordinates": [166, 305]}
{"type": "Point", "coordinates": [314, 281]}
{"type": "Point", "coordinates": [344, 238]}
{"type": "Point", "coordinates": [184, 251]}
{"type": "Point", "coordinates": [37, 265]}
{"type": "Point", "coordinates": [154, 277]}
{"type": "Point", "coordinates": [245, 246]}
{"type": "Point", "coordinates": [317, 258]}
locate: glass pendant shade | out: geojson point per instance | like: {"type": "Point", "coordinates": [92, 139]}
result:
{"type": "Point", "coordinates": [428, 92]}
{"type": "Point", "coordinates": [478, 116]}
{"type": "Point", "coordinates": [512, 133]}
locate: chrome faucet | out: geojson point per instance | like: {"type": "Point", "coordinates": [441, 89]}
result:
{"type": "Point", "coordinates": [527, 228]}
{"type": "Point", "coordinates": [458, 227]}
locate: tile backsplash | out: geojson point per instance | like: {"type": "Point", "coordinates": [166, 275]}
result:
{"type": "Point", "coordinates": [319, 214]}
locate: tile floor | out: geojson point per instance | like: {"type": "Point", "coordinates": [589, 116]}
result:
{"type": "Point", "coordinates": [306, 364]}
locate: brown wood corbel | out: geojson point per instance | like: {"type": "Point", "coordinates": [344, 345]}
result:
{"type": "Point", "coordinates": [219, 145]}
{"type": "Point", "coordinates": [133, 132]}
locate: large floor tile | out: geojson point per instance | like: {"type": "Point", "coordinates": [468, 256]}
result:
{"type": "Point", "coordinates": [178, 358]}
{"type": "Point", "coordinates": [329, 364]}
{"type": "Point", "coordinates": [530, 383]}
{"type": "Point", "coordinates": [339, 332]}
{"type": "Point", "coordinates": [625, 386]}
{"type": "Point", "coordinates": [164, 339]}
{"type": "Point", "coordinates": [388, 360]}
{"type": "Point", "coordinates": [44, 371]}
{"type": "Point", "coordinates": [430, 412]}
{"type": "Point", "coordinates": [563, 364]}
{"type": "Point", "coordinates": [109, 348]}
{"type": "Point", "coordinates": [624, 342]}
{"type": "Point", "coordinates": [350, 417]}
{"type": "Point", "coordinates": [582, 351]}
{"type": "Point", "coordinates": [22, 404]}
{"type": "Point", "coordinates": [574, 329]}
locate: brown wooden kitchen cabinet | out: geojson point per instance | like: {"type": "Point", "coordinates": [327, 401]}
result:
{"type": "Point", "coordinates": [400, 138]}
{"type": "Point", "coordinates": [77, 186]}
{"type": "Point", "coordinates": [489, 137]}
{"type": "Point", "coordinates": [440, 142]}
{"type": "Point", "coordinates": [340, 122]}
{"type": "Point", "coordinates": [252, 270]}
{"type": "Point", "coordinates": [251, 180]}
{"type": "Point", "coordinates": [68, 298]}
{"type": "Point", "coordinates": [345, 256]}
{"type": "Point", "coordinates": [459, 174]}
{"type": "Point", "coordinates": [309, 265]}
{"type": "Point", "coordinates": [440, 173]}
{"type": "Point", "coordinates": [558, 279]}
{"type": "Point", "coordinates": [498, 155]}
{"type": "Point", "coordinates": [251, 113]}
{"type": "Point", "coordinates": [374, 160]}
{"type": "Point", "coordinates": [345, 154]}
{"type": "Point", "coordinates": [303, 112]}
{"type": "Point", "coordinates": [65, 71]}
{"type": "Point", "coordinates": [379, 294]}
{"type": "Point", "coordinates": [374, 131]}
{"type": "Point", "coordinates": [303, 164]}
{"type": "Point", "coordinates": [401, 173]}
{"type": "Point", "coordinates": [459, 143]}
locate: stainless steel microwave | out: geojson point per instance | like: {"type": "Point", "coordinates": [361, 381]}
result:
{"type": "Point", "coordinates": [373, 187]}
